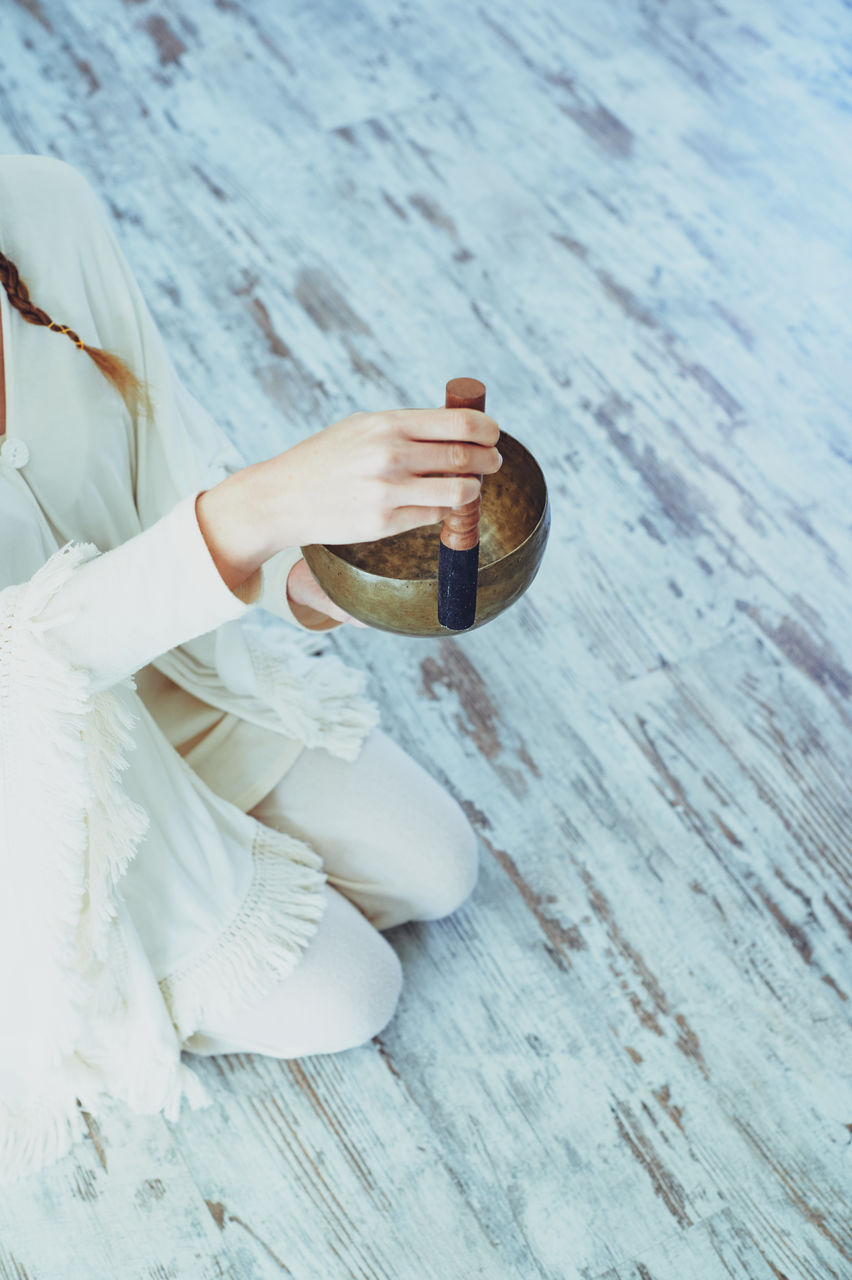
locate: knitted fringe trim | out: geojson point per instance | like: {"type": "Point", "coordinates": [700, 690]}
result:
{"type": "Point", "coordinates": [42, 1133]}
{"type": "Point", "coordinates": [319, 699]}
{"type": "Point", "coordinates": [264, 941]}
{"type": "Point", "coordinates": [45, 704]}
{"type": "Point", "coordinates": [79, 836]}
{"type": "Point", "coordinates": [37, 1136]}
{"type": "Point", "coordinates": [139, 1069]}
{"type": "Point", "coordinates": [116, 823]}
{"type": "Point", "coordinates": [185, 1084]}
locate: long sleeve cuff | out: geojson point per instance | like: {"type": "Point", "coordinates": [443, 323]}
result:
{"type": "Point", "coordinates": [126, 606]}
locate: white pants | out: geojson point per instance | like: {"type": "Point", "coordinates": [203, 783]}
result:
{"type": "Point", "coordinates": [396, 846]}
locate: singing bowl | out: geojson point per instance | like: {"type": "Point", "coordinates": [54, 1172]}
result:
{"type": "Point", "coordinates": [392, 583]}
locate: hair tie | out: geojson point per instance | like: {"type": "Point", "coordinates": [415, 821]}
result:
{"type": "Point", "coordinates": [63, 328]}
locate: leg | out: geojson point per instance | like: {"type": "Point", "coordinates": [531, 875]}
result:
{"type": "Point", "coordinates": [392, 839]}
{"type": "Point", "coordinates": [342, 992]}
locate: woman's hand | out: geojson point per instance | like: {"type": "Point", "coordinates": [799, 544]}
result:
{"type": "Point", "coordinates": [373, 474]}
{"type": "Point", "coordinates": [304, 592]}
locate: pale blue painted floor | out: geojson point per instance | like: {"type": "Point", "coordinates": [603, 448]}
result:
{"type": "Point", "coordinates": [627, 1057]}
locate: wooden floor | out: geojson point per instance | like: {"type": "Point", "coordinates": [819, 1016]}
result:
{"type": "Point", "coordinates": [628, 1057]}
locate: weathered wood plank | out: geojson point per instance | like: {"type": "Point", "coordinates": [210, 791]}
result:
{"type": "Point", "coordinates": [625, 1056]}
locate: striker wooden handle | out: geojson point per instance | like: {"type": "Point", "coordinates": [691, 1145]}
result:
{"type": "Point", "coordinates": [458, 558]}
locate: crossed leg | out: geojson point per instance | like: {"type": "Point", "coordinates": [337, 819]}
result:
{"type": "Point", "coordinates": [396, 846]}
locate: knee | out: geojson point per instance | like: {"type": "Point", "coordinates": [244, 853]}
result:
{"type": "Point", "coordinates": [366, 996]}
{"type": "Point", "coordinates": [451, 857]}
{"type": "Point", "coordinates": [344, 992]}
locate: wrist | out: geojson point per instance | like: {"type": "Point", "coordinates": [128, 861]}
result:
{"type": "Point", "coordinates": [229, 523]}
{"type": "Point", "coordinates": [274, 505]}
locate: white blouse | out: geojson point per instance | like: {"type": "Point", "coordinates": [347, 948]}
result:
{"type": "Point", "coordinates": [144, 706]}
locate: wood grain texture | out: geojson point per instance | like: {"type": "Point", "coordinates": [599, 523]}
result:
{"type": "Point", "coordinates": [627, 1057]}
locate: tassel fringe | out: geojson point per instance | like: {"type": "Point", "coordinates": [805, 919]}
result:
{"type": "Point", "coordinates": [43, 1132]}
{"type": "Point", "coordinates": [319, 699]}
{"type": "Point", "coordinates": [116, 823]}
{"type": "Point", "coordinates": [81, 838]}
{"type": "Point", "coordinates": [276, 920]}
{"type": "Point", "coordinates": [46, 709]}
{"type": "Point", "coordinates": [37, 1136]}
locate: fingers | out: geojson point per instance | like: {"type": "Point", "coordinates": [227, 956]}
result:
{"type": "Point", "coordinates": [437, 457]}
{"type": "Point", "coordinates": [439, 493]}
{"type": "Point", "coordinates": [334, 611]}
{"type": "Point", "coordinates": [339, 616]}
{"type": "Point", "coordinates": [304, 591]}
{"type": "Point", "coordinates": [444, 492]}
{"type": "Point", "coordinates": [405, 518]}
{"type": "Point", "coordinates": [448, 424]}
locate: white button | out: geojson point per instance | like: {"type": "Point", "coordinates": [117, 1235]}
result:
{"type": "Point", "coordinates": [15, 451]}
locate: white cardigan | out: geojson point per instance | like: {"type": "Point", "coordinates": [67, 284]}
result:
{"type": "Point", "coordinates": [135, 901]}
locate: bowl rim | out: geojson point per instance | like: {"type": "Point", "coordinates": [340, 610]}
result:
{"type": "Point", "coordinates": [380, 577]}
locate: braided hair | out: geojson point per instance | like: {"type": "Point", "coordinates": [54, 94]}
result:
{"type": "Point", "coordinates": [133, 392]}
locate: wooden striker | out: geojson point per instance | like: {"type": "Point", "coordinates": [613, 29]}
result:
{"type": "Point", "coordinates": [458, 560]}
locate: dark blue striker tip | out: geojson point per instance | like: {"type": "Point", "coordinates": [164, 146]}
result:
{"type": "Point", "coordinates": [458, 572]}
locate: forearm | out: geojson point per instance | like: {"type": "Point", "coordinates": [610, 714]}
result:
{"type": "Point", "coordinates": [233, 518]}
{"type": "Point", "coordinates": [126, 606]}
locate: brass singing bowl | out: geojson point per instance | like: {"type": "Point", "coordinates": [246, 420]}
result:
{"type": "Point", "coordinates": [392, 583]}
